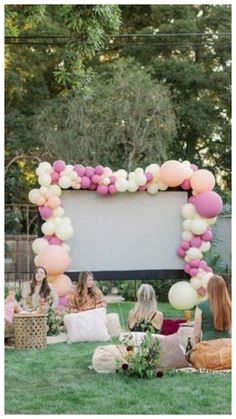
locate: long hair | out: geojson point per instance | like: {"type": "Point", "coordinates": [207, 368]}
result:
{"type": "Point", "coordinates": [82, 285]}
{"type": "Point", "coordinates": [146, 304]}
{"type": "Point", "coordinates": [44, 289]}
{"type": "Point", "coordinates": [220, 303]}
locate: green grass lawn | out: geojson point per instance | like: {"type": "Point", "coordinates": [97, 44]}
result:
{"type": "Point", "coordinates": [57, 380]}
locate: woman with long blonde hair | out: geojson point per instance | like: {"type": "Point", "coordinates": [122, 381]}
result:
{"type": "Point", "coordinates": [213, 316]}
{"type": "Point", "coordinates": [145, 313]}
{"type": "Point", "coordinates": [87, 295]}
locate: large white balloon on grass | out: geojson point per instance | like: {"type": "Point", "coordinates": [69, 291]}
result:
{"type": "Point", "coordinates": [182, 296]}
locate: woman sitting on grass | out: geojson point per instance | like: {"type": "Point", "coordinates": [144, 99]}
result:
{"type": "Point", "coordinates": [213, 316]}
{"type": "Point", "coordinates": [145, 313]}
{"type": "Point", "coordinates": [86, 296]}
{"type": "Point", "coordinates": [38, 292]}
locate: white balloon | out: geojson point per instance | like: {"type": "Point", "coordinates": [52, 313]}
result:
{"type": "Point", "coordinates": [44, 179]}
{"type": "Point", "coordinates": [43, 167]}
{"type": "Point", "coordinates": [161, 185]}
{"type": "Point", "coordinates": [205, 279]}
{"type": "Point", "coordinates": [139, 171]}
{"type": "Point", "coordinates": [36, 260]}
{"type": "Point", "coordinates": [140, 179]}
{"type": "Point", "coordinates": [187, 224]}
{"type": "Point", "coordinates": [187, 235]}
{"type": "Point", "coordinates": [39, 244]}
{"type": "Point", "coordinates": [186, 163]}
{"type": "Point", "coordinates": [195, 282]}
{"type": "Point", "coordinates": [154, 169]}
{"type": "Point", "coordinates": [121, 184]}
{"type": "Point", "coordinates": [152, 188]}
{"type": "Point", "coordinates": [193, 253]}
{"type": "Point", "coordinates": [73, 175]}
{"type": "Point", "coordinates": [55, 190]}
{"type": "Point", "coordinates": [106, 181]}
{"type": "Point", "coordinates": [65, 182]}
{"type": "Point", "coordinates": [132, 185]}
{"type": "Point", "coordinates": [182, 296]}
{"type": "Point", "coordinates": [66, 247]}
{"type": "Point", "coordinates": [131, 175]}
{"type": "Point", "coordinates": [205, 246]}
{"type": "Point", "coordinates": [210, 221]}
{"type": "Point", "coordinates": [56, 221]}
{"type": "Point", "coordinates": [58, 212]}
{"type": "Point", "coordinates": [188, 211]}
{"type": "Point", "coordinates": [198, 226]}
{"type": "Point", "coordinates": [69, 168]}
{"type": "Point", "coordinates": [64, 231]}
{"type": "Point", "coordinates": [48, 228]}
{"type": "Point", "coordinates": [66, 220]}
{"type": "Point", "coordinates": [33, 195]}
{"type": "Point", "coordinates": [44, 190]}
{"type": "Point", "coordinates": [121, 173]}
{"type": "Point", "coordinates": [107, 172]}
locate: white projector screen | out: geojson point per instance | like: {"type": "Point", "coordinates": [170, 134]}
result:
{"type": "Point", "coordinates": [125, 231]}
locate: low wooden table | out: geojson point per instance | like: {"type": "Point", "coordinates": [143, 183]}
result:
{"type": "Point", "coordinates": [30, 330]}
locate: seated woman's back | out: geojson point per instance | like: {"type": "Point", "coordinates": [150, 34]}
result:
{"type": "Point", "coordinates": [145, 313]}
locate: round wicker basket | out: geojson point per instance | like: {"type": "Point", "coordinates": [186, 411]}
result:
{"type": "Point", "coordinates": [30, 331]}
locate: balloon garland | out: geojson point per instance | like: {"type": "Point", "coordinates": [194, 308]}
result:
{"type": "Point", "coordinates": [199, 213]}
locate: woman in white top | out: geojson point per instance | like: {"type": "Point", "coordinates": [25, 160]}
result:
{"type": "Point", "coordinates": [38, 291]}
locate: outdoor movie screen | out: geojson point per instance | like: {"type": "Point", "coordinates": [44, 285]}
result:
{"type": "Point", "coordinates": [125, 231]}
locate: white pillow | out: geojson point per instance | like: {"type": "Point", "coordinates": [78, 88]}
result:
{"type": "Point", "coordinates": [87, 326]}
{"type": "Point", "coordinates": [113, 325]}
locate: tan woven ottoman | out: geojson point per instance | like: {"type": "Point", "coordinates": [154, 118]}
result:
{"type": "Point", "coordinates": [30, 330]}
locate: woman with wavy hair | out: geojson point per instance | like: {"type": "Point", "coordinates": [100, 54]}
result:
{"type": "Point", "coordinates": [39, 291]}
{"type": "Point", "coordinates": [145, 313]}
{"type": "Point", "coordinates": [213, 316]}
{"type": "Point", "coordinates": [86, 296]}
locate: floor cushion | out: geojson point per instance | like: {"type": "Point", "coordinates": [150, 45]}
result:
{"type": "Point", "coordinates": [113, 325]}
{"type": "Point", "coordinates": [215, 354]}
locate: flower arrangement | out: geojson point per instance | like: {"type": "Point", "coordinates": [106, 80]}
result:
{"type": "Point", "coordinates": [54, 320]}
{"type": "Point", "coordinates": [142, 361]}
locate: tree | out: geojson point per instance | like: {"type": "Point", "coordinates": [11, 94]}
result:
{"type": "Point", "coordinates": [189, 50]}
{"type": "Point", "coordinates": [127, 121]}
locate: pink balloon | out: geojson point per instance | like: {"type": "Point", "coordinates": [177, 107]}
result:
{"type": "Point", "coordinates": [99, 170]}
{"type": "Point", "coordinates": [45, 212]}
{"type": "Point", "coordinates": [186, 185]}
{"type": "Point", "coordinates": [207, 236]}
{"type": "Point", "coordinates": [202, 181]}
{"type": "Point", "coordinates": [85, 182]}
{"type": "Point", "coordinates": [102, 189]}
{"type": "Point", "coordinates": [208, 204]}
{"type": "Point", "coordinates": [149, 176]}
{"type": "Point", "coordinates": [55, 240]}
{"type": "Point", "coordinates": [112, 179]}
{"type": "Point", "coordinates": [185, 244]}
{"type": "Point", "coordinates": [46, 237]}
{"type": "Point", "coordinates": [59, 166]}
{"type": "Point", "coordinates": [55, 176]}
{"type": "Point", "coordinates": [196, 242]}
{"type": "Point", "coordinates": [54, 259]}
{"type": "Point", "coordinates": [92, 186]}
{"type": "Point", "coordinates": [181, 252]}
{"type": "Point", "coordinates": [187, 268]}
{"type": "Point", "coordinates": [203, 265]}
{"type": "Point", "coordinates": [62, 284]}
{"type": "Point", "coordinates": [172, 173]}
{"type": "Point", "coordinates": [191, 199]}
{"type": "Point", "coordinates": [79, 169]}
{"type": "Point", "coordinates": [89, 171]}
{"type": "Point", "coordinates": [193, 272]}
{"type": "Point", "coordinates": [142, 187]}
{"type": "Point", "coordinates": [195, 263]}
{"type": "Point", "coordinates": [96, 179]}
{"type": "Point", "coordinates": [112, 189]}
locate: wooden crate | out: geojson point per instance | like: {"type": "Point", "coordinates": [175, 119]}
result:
{"type": "Point", "coordinates": [30, 330]}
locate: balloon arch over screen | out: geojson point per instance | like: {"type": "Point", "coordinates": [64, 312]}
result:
{"type": "Point", "coordinates": [199, 213]}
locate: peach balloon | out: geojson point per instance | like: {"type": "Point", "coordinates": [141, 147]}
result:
{"type": "Point", "coordinates": [202, 181]}
{"type": "Point", "coordinates": [172, 173]}
{"type": "Point", "coordinates": [62, 284]}
{"type": "Point", "coordinates": [40, 200]}
{"type": "Point", "coordinates": [54, 202]}
{"type": "Point", "coordinates": [54, 259]}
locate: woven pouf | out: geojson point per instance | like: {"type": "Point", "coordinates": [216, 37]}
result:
{"type": "Point", "coordinates": [30, 331]}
